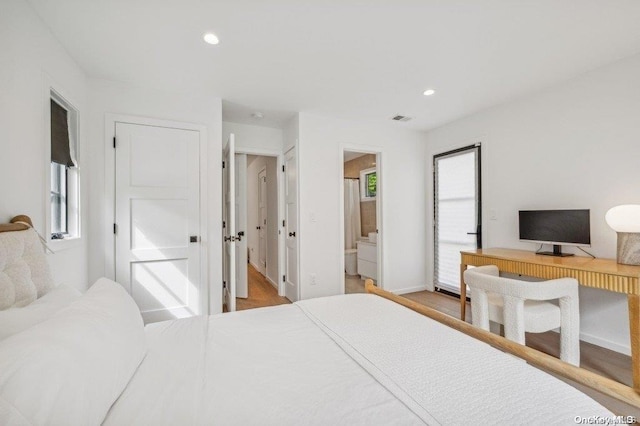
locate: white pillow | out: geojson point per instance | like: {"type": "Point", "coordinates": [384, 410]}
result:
{"type": "Point", "coordinates": [15, 320]}
{"type": "Point", "coordinates": [69, 369]}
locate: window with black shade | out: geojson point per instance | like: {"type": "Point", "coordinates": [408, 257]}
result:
{"type": "Point", "coordinates": [64, 197]}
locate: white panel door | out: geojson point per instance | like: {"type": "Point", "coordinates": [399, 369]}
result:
{"type": "Point", "coordinates": [157, 219]}
{"type": "Point", "coordinates": [457, 212]}
{"type": "Point", "coordinates": [229, 227]}
{"type": "Point", "coordinates": [242, 288]}
{"type": "Point", "coordinates": [291, 225]}
{"type": "Point", "coordinates": [262, 218]}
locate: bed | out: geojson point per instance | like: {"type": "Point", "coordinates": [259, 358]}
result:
{"type": "Point", "coordinates": [352, 359]}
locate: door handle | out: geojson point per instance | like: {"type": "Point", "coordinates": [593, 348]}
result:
{"type": "Point", "coordinates": [240, 235]}
{"type": "Point", "coordinates": [292, 234]}
{"type": "Point", "coordinates": [472, 233]}
{"type": "Point", "coordinates": [194, 239]}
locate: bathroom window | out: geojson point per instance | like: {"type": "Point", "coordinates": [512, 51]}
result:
{"type": "Point", "coordinates": [368, 184]}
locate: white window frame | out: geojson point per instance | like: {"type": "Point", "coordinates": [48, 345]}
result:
{"type": "Point", "coordinates": [363, 184]}
{"type": "Point", "coordinates": [73, 235]}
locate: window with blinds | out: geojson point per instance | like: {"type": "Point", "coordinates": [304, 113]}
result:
{"type": "Point", "coordinates": [456, 212]}
{"type": "Point", "coordinates": [64, 197]}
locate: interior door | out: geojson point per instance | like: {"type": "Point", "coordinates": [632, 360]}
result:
{"type": "Point", "coordinates": [229, 227]}
{"type": "Point", "coordinates": [457, 212]}
{"type": "Point", "coordinates": [242, 289]}
{"type": "Point", "coordinates": [157, 219]}
{"type": "Point", "coordinates": [291, 225]}
{"type": "Point", "coordinates": [262, 218]}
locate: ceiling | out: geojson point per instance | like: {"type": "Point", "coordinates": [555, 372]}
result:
{"type": "Point", "coordinates": [348, 155]}
{"type": "Point", "coordinates": [365, 60]}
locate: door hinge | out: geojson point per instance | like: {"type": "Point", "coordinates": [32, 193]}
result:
{"type": "Point", "coordinates": [114, 141]}
{"type": "Point", "coordinates": [224, 224]}
{"type": "Point", "coordinates": [283, 223]}
{"type": "Point", "coordinates": [115, 229]}
{"type": "Point", "coordinates": [283, 168]}
{"type": "Point", "coordinates": [284, 278]}
{"type": "Point", "coordinates": [224, 284]}
{"type": "Point", "coordinates": [224, 164]}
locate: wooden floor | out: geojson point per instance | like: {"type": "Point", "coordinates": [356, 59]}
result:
{"type": "Point", "coordinates": [261, 293]}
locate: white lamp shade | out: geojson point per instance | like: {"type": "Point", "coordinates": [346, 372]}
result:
{"type": "Point", "coordinates": [625, 218]}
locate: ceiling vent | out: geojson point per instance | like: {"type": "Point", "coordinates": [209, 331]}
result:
{"type": "Point", "coordinates": [401, 118]}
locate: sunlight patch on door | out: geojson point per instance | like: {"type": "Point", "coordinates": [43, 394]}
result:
{"type": "Point", "coordinates": [161, 285]}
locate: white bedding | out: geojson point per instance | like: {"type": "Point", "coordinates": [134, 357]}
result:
{"type": "Point", "coordinates": [356, 359]}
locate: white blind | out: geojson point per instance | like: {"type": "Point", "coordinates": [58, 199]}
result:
{"type": "Point", "coordinates": [456, 214]}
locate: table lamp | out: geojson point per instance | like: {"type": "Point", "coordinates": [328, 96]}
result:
{"type": "Point", "coordinates": [625, 220]}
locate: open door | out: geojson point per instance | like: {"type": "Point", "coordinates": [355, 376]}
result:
{"type": "Point", "coordinates": [291, 225]}
{"type": "Point", "coordinates": [242, 289]}
{"type": "Point", "coordinates": [229, 226]}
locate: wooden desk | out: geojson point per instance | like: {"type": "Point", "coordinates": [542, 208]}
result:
{"type": "Point", "coordinates": [605, 274]}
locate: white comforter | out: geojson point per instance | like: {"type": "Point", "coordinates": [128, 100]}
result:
{"type": "Point", "coordinates": [356, 359]}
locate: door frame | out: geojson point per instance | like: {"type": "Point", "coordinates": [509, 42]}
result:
{"type": "Point", "coordinates": [110, 193]}
{"type": "Point", "coordinates": [279, 156]}
{"type": "Point", "coordinates": [379, 153]}
{"type": "Point", "coordinates": [434, 150]}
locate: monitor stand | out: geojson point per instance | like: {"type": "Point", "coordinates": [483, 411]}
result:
{"type": "Point", "coordinates": [557, 251]}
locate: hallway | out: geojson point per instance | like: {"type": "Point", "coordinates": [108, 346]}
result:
{"type": "Point", "coordinates": [261, 293]}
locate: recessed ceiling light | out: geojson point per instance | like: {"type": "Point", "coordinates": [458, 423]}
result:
{"type": "Point", "coordinates": [257, 115]}
{"type": "Point", "coordinates": [429, 92]}
{"type": "Point", "coordinates": [211, 38]}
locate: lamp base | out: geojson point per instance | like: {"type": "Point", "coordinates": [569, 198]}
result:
{"type": "Point", "coordinates": [629, 248]}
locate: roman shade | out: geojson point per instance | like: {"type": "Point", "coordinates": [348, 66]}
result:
{"type": "Point", "coordinates": [60, 142]}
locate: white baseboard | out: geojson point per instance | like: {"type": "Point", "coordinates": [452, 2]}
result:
{"type": "Point", "coordinates": [598, 341]}
{"type": "Point", "coordinates": [275, 285]}
{"type": "Point", "coordinates": [256, 267]}
{"type": "Point", "coordinates": [409, 289]}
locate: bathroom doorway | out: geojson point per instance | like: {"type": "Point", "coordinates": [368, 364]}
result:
{"type": "Point", "coordinates": [361, 194]}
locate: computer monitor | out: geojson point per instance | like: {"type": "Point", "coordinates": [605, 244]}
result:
{"type": "Point", "coordinates": [557, 227]}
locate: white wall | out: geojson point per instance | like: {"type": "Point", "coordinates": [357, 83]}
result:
{"type": "Point", "coordinates": [252, 138]}
{"type": "Point", "coordinates": [269, 164]}
{"type": "Point", "coordinates": [31, 59]}
{"type": "Point", "coordinates": [575, 145]}
{"type": "Point", "coordinates": [110, 97]}
{"type": "Point", "coordinates": [320, 153]}
{"type": "Point", "coordinates": [291, 133]}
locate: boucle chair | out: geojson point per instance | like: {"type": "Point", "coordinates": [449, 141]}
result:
{"type": "Point", "coordinates": [523, 306]}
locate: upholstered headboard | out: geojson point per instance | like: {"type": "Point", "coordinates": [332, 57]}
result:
{"type": "Point", "coordinates": [24, 271]}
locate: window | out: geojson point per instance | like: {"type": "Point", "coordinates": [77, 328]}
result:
{"type": "Point", "coordinates": [59, 224]}
{"type": "Point", "coordinates": [63, 170]}
{"type": "Point", "coordinates": [368, 184]}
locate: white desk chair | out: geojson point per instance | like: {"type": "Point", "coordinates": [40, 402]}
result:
{"type": "Point", "coordinates": [523, 306]}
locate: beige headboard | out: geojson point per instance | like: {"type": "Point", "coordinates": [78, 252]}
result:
{"type": "Point", "coordinates": [24, 271]}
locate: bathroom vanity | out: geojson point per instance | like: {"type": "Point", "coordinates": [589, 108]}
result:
{"type": "Point", "coordinates": [367, 259]}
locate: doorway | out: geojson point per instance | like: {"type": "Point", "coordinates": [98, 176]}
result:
{"type": "Point", "coordinates": [361, 219]}
{"type": "Point", "coordinates": [457, 212]}
{"type": "Point", "coordinates": [257, 234]}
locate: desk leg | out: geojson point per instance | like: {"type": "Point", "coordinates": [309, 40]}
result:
{"type": "Point", "coordinates": [634, 329]}
{"type": "Point", "coordinates": [463, 293]}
